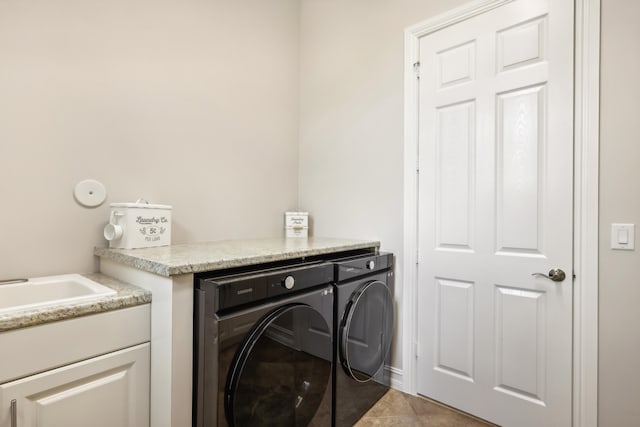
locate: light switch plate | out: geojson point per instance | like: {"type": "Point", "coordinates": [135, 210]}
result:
{"type": "Point", "coordinates": [623, 236]}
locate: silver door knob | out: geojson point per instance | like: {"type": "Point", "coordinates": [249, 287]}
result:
{"type": "Point", "coordinates": [555, 274]}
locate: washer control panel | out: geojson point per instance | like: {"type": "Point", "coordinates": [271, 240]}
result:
{"type": "Point", "coordinates": [247, 288]}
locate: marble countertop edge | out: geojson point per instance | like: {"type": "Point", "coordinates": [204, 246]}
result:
{"type": "Point", "coordinates": [200, 257]}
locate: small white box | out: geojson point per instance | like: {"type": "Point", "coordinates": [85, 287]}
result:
{"type": "Point", "coordinates": [138, 225]}
{"type": "Point", "coordinates": [296, 224]}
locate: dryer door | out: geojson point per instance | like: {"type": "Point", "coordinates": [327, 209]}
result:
{"type": "Point", "coordinates": [281, 373]}
{"type": "Point", "coordinates": [366, 331]}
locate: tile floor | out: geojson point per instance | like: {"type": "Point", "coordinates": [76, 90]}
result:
{"type": "Point", "coordinates": [399, 409]}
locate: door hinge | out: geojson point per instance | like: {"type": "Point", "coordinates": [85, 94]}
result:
{"type": "Point", "coordinates": [416, 69]}
{"type": "Point", "coordinates": [415, 349]}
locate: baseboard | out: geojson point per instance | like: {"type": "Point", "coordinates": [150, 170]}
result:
{"type": "Point", "coordinates": [396, 377]}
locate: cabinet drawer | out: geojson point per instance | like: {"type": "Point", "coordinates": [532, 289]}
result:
{"type": "Point", "coordinates": [39, 348]}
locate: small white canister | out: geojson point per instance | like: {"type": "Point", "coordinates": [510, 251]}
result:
{"type": "Point", "coordinates": [296, 224]}
{"type": "Point", "coordinates": [138, 225]}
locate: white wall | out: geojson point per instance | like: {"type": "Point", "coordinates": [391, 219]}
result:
{"type": "Point", "coordinates": [185, 102]}
{"type": "Point", "coordinates": [351, 118]}
{"type": "Point", "coordinates": [619, 376]}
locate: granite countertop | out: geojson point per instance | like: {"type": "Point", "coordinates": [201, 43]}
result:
{"type": "Point", "coordinates": [208, 256]}
{"type": "Point", "coordinates": [127, 296]}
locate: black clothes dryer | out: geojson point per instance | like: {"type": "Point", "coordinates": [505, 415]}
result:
{"type": "Point", "coordinates": [364, 329]}
{"type": "Point", "coordinates": [264, 347]}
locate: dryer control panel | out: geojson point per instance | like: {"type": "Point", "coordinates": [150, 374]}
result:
{"type": "Point", "coordinates": [349, 268]}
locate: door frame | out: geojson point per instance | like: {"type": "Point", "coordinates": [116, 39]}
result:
{"type": "Point", "coordinates": [586, 176]}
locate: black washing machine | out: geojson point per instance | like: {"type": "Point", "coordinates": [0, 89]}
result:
{"type": "Point", "coordinates": [263, 347]}
{"type": "Point", "coordinates": [364, 330]}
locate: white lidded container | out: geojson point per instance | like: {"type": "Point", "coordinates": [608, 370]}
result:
{"type": "Point", "coordinates": [138, 225]}
{"type": "Point", "coordinates": [296, 224]}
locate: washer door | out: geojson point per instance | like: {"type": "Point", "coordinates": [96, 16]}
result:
{"type": "Point", "coordinates": [366, 331]}
{"type": "Point", "coordinates": [281, 371]}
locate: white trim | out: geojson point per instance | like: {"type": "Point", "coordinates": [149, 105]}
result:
{"type": "Point", "coordinates": [410, 222]}
{"type": "Point", "coordinates": [396, 376]}
{"type": "Point", "coordinates": [587, 93]}
{"type": "Point", "coordinates": [453, 16]}
{"type": "Point", "coordinates": [587, 141]}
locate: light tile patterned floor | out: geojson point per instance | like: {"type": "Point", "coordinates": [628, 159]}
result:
{"type": "Point", "coordinates": [399, 409]}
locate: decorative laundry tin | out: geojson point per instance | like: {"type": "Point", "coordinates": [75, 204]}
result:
{"type": "Point", "coordinates": [138, 225]}
{"type": "Point", "coordinates": [296, 224]}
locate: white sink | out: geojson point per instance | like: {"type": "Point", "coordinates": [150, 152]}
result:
{"type": "Point", "coordinates": [44, 291]}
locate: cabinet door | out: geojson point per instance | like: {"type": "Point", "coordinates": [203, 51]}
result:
{"type": "Point", "coordinates": [106, 391]}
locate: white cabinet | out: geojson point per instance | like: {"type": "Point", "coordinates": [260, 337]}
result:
{"type": "Point", "coordinates": [86, 371]}
{"type": "Point", "coordinates": [105, 391]}
{"type": "Point", "coordinates": [172, 348]}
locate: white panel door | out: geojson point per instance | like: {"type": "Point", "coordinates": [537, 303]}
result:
{"type": "Point", "coordinates": [495, 206]}
{"type": "Point", "coordinates": [106, 391]}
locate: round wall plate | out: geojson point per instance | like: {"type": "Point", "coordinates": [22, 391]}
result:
{"type": "Point", "coordinates": [90, 193]}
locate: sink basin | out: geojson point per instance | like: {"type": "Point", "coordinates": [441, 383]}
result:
{"type": "Point", "coordinates": [44, 291]}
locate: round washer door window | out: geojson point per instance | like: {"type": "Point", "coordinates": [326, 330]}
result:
{"type": "Point", "coordinates": [366, 331]}
{"type": "Point", "coordinates": [281, 373]}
